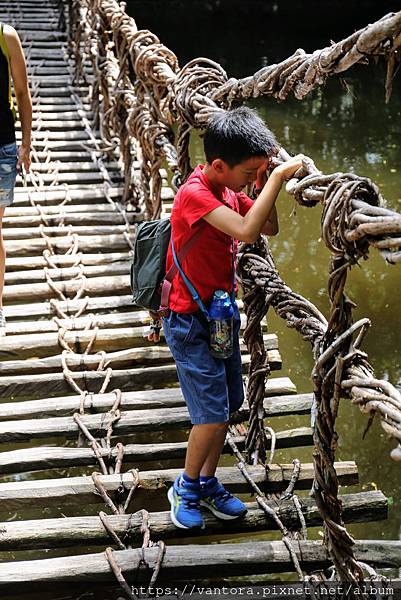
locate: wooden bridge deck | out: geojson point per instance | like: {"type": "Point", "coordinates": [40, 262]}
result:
{"type": "Point", "coordinates": [66, 234]}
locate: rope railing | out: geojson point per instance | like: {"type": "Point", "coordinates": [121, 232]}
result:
{"type": "Point", "coordinates": [150, 106]}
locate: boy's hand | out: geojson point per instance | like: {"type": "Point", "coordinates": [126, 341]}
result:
{"type": "Point", "coordinates": [155, 327]}
{"type": "Point", "coordinates": [261, 175]}
{"type": "Point", "coordinates": [287, 169]}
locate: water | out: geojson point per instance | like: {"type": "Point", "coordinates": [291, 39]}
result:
{"type": "Point", "coordinates": [344, 126]}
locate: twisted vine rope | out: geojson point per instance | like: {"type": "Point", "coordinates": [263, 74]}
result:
{"type": "Point", "coordinates": [141, 93]}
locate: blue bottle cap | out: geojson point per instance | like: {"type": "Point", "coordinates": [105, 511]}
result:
{"type": "Point", "coordinates": [221, 294]}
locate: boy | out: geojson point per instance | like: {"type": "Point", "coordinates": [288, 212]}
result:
{"type": "Point", "coordinates": [12, 67]}
{"type": "Point", "coordinates": [238, 147]}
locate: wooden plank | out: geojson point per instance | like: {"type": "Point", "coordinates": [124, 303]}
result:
{"type": "Point", "coordinates": [55, 62]}
{"type": "Point", "coordinates": [64, 125]}
{"type": "Point", "coordinates": [101, 286]}
{"type": "Point", "coordinates": [59, 136]}
{"type": "Point", "coordinates": [61, 144]}
{"type": "Point", "coordinates": [224, 560]}
{"type": "Point", "coordinates": [28, 23]}
{"type": "Point", "coordinates": [52, 195]}
{"type": "Point", "coordinates": [115, 338]}
{"type": "Point", "coordinates": [30, 35]}
{"type": "Point", "coordinates": [52, 68]}
{"type": "Point", "coordinates": [130, 351]}
{"type": "Point", "coordinates": [280, 400]}
{"type": "Point", "coordinates": [51, 105]}
{"type": "Point", "coordinates": [43, 492]}
{"type": "Point", "coordinates": [77, 177]}
{"type": "Point", "coordinates": [123, 302]}
{"type": "Point", "coordinates": [25, 234]}
{"type": "Point", "coordinates": [111, 243]}
{"type": "Point", "coordinates": [60, 155]}
{"type": "Point", "coordinates": [55, 196]}
{"type": "Point", "coordinates": [98, 217]}
{"type": "Point", "coordinates": [73, 166]}
{"type": "Point", "coordinates": [132, 319]}
{"type": "Point", "coordinates": [51, 81]}
{"type": "Point", "coordinates": [130, 422]}
{"type": "Point", "coordinates": [16, 214]}
{"type": "Point", "coordinates": [38, 276]}
{"type": "Point", "coordinates": [23, 214]}
{"type": "Point", "coordinates": [39, 55]}
{"type": "Point", "coordinates": [68, 115]}
{"type": "Point", "coordinates": [126, 380]}
{"type": "Point", "coordinates": [44, 458]}
{"type": "Point", "coordinates": [72, 531]}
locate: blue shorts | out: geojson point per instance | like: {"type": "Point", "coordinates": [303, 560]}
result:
{"type": "Point", "coordinates": [212, 387]}
{"type": "Point", "coordinates": [8, 173]}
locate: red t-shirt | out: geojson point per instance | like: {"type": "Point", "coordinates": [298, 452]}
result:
{"type": "Point", "coordinates": [208, 264]}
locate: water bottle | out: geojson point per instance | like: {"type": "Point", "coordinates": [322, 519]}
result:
{"type": "Point", "coordinates": [221, 325]}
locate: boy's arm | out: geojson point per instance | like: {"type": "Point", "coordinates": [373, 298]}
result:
{"type": "Point", "coordinates": [22, 93]}
{"type": "Point", "coordinates": [260, 216]}
{"type": "Point", "coordinates": [270, 227]}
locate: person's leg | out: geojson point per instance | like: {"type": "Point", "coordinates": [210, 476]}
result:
{"type": "Point", "coordinates": [214, 496]}
{"type": "Point", "coordinates": [203, 384]}
{"type": "Point", "coordinates": [2, 256]}
{"type": "Point", "coordinates": [235, 389]}
{"type": "Point", "coordinates": [205, 444]}
{"type": "Point", "coordinates": [8, 174]}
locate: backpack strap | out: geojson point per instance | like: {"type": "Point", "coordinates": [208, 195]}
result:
{"type": "Point", "coordinates": [192, 290]}
{"type": "Point", "coordinates": [167, 281]}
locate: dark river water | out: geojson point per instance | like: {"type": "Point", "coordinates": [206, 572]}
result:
{"type": "Point", "coordinates": [345, 126]}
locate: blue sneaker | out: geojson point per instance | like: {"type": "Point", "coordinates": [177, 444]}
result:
{"type": "Point", "coordinates": [185, 510]}
{"type": "Point", "coordinates": [220, 502]}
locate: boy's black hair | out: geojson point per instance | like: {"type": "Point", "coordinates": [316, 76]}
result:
{"type": "Point", "coordinates": [236, 135]}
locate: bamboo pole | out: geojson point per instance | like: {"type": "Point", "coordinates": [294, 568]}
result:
{"type": "Point", "coordinates": [115, 338]}
{"type": "Point", "coordinates": [281, 400]}
{"type": "Point", "coordinates": [130, 341]}
{"type": "Point", "coordinates": [129, 422]}
{"type": "Point", "coordinates": [117, 284]}
{"type": "Point", "coordinates": [102, 217]}
{"type": "Point", "coordinates": [246, 558]}
{"type": "Point", "coordinates": [73, 531]}
{"type": "Point", "coordinates": [86, 243]}
{"type": "Point", "coordinates": [102, 320]}
{"type": "Point", "coordinates": [127, 380]}
{"type": "Point", "coordinates": [44, 458]}
{"type": "Point", "coordinates": [224, 560]}
{"type": "Point", "coordinates": [65, 274]}
{"type": "Point", "coordinates": [20, 214]}
{"type": "Point", "coordinates": [55, 195]}
{"type": "Point", "coordinates": [78, 177]}
{"type": "Point", "coordinates": [69, 306]}
{"type": "Point", "coordinates": [24, 235]}
{"type": "Point", "coordinates": [80, 490]}
{"type": "Point", "coordinates": [72, 166]}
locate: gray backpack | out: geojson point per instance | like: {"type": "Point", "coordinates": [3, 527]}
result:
{"type": "Point", "coordinates": [150, 283]}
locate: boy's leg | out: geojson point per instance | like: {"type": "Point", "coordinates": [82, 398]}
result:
{"type": "Point", "coordinates": [213, 494]}
{"type": "Point", "coordinates": [205, 445]}
{"type": "Point", "coordinates": [2, 256]}
{"type": "Point", "coordinates": [204, 384]}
